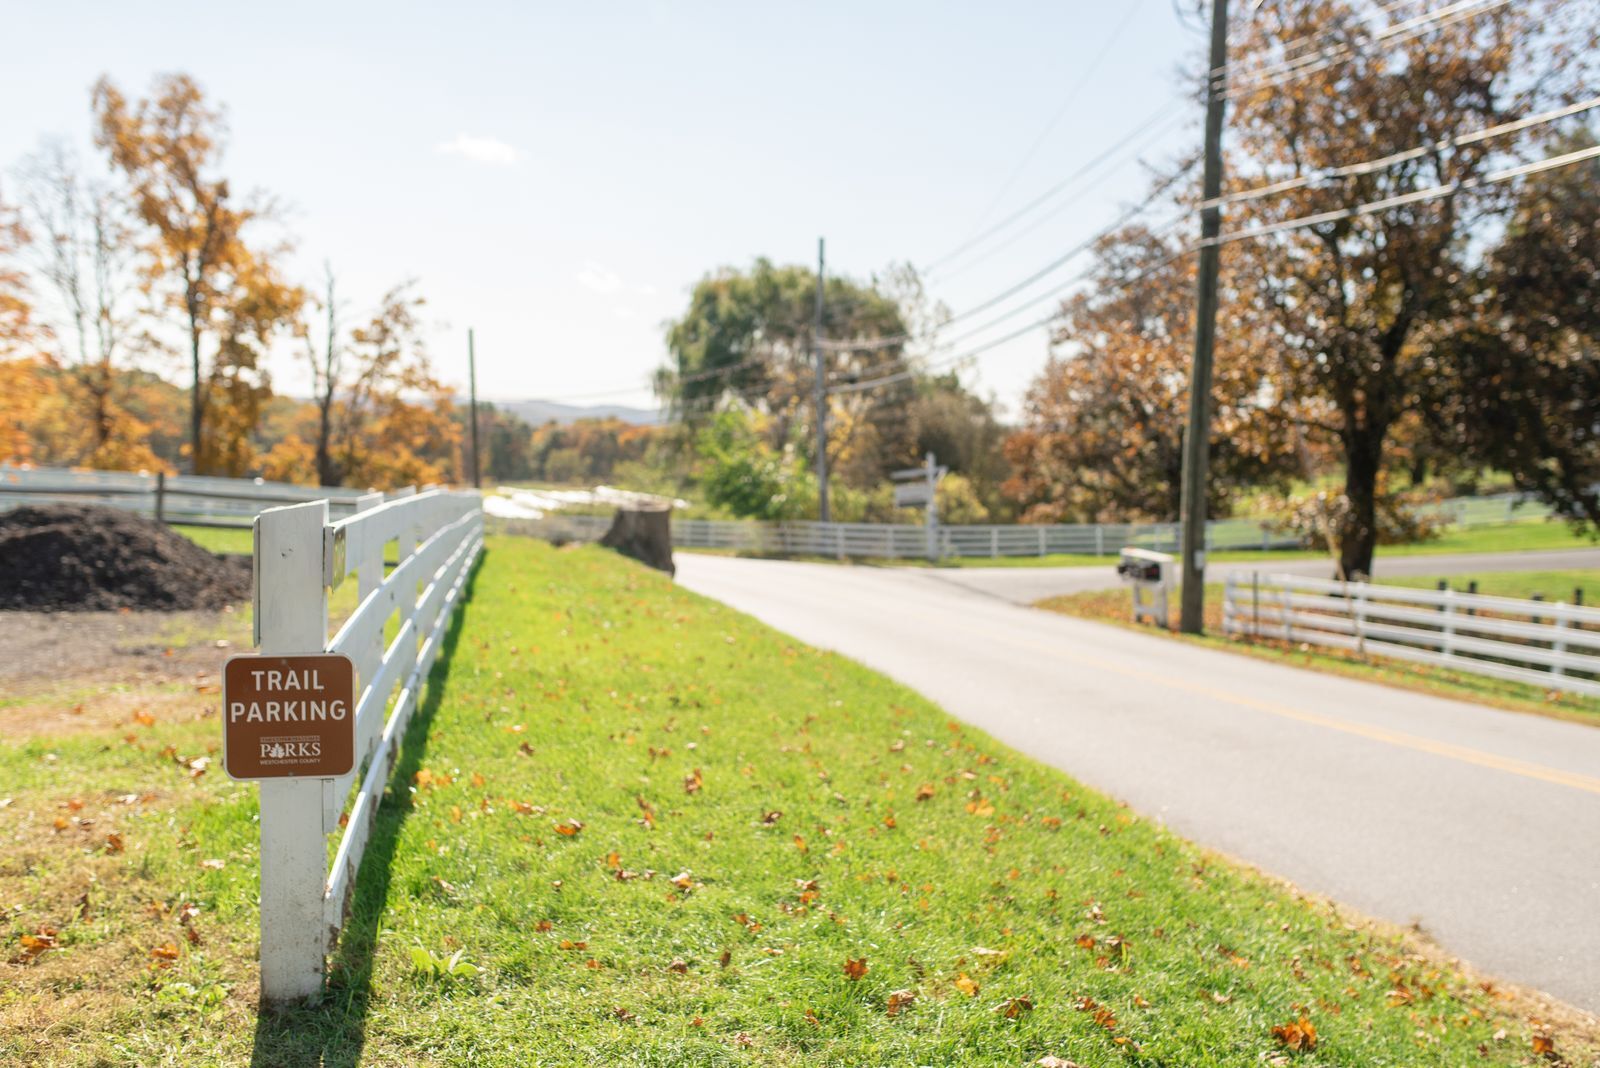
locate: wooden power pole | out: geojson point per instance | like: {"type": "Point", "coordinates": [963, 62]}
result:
{"type": "Point", "coordinates": [1197, 438]}
{"type": "Point", "coordinates": [472, 400]}
{"type": "Point", "coordinates": [821, 390]}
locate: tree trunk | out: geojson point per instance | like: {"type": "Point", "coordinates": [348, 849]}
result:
{"type": "Point", "coordinates": [102, 408]}
{"type": "Point", "coordinates": [326, 476]}
{"type": "Point", "coordinates": [1358, 536]}
{"type": "Point", "coordinates": [196, 395]}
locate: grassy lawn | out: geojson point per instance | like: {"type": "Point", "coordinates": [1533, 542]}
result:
{"type": "Point", "coordinates": [220, 539]}
{"type": "Point", "coordinates": [1112, 606]}
{"type": "Point", "coordinates": [1553, 586]}
{"type": "Point", "coordinates": [661, 833]}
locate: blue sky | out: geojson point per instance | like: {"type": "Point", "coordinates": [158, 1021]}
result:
{"type": "Point", "coordinates": [558, 176]}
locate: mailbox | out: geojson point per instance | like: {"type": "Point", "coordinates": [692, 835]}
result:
{"type": "Point", "coordinates": [1149, 574]}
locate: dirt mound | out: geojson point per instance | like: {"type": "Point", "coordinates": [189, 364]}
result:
{"type": "Point", "coordinates": [79, 557]}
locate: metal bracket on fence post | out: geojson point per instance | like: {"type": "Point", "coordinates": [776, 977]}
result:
{"type": "Point", "coordinates": [292, 615]}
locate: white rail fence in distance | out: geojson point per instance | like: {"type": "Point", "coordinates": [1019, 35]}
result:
{"type": "Point", "coordinates": [299, 555]}
{"type": "Point", "coordinates": [193, 499]}
{"type": "Point", "coordinates": [1555, 646]}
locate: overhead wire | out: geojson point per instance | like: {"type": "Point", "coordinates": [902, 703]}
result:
{"type": "Point", "coordinates": [1289, 71]}
{"type": "Point", "coordinates": [1416, 196]}
{"type": "Point", "coordinates": [1373, 165]}
{"type": "Point", "coordinates": [1087, 74]}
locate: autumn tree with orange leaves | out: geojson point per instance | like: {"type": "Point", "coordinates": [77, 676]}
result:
{"type": "Point", "coordinates": [1361, 308]}
{"type": "Point", "coordinates": [378, 416]}
{"type": "Point", "coordinates": [227, 290]}
{"type": "Point", "coordinates": [1102, 434]}
{"type": "Point", "coordinates": [83, 257]}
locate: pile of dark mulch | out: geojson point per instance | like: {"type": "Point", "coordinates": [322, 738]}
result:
{"type": "Point", "coordinates": [81, 557]}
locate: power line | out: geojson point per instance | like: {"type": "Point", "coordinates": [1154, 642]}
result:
{"type": "Point", "coordinates": [1433, 193]}
{"type": "Point", "coordinates": [1056, 290]}
{"type": "Point", "coordinates": [1178, 119]}
{"type": "Point", "coordinates": [1293, 70]}
{"type": "Point", "coordinates": [1163, 116]}
{"type": "Point", "coordinates": [1048, 269]}
{"type": "Point", "coordinates": [1120, 283]}
{"type": "Point", "coordinates": [1369, 166]}
{"type": "Point", "coordinates": [1414, 197]}
{"type": "Point", "coordinates": [1072, 97]}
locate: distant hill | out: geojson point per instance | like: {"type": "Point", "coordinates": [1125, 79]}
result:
{"type": "Point", "coordinates": [538, 412]}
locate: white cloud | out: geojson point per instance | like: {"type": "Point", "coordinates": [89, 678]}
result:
{"type": "Point", "coordinates": [479, 149]}
{"type": "Point", "coordinates": [595, 276]}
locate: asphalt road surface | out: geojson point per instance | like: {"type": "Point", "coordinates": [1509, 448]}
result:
{"type": "Point", "coordinates": [1479, 825]}
{"type": "Point", "coordinates": [1025, 585]}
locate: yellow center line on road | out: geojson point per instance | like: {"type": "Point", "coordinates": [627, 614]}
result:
{"type": "Point", "coordinates": [1399, 739]}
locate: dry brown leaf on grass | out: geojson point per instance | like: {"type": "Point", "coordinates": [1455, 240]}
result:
{"type": "Point", "coordinates": [1298, 1035]}
{"type": "Point", "coordinates": [898, 1000]}
{"type": "Point", "coordinates": [967, 985]}
{"type": "Point", "coordinates": [1049, 1061]}
{"type": "Point", "coordinates": [569, 828]}
{"type": "Point", "coordinates": [693, 782]}
{"type": "Point", "coordinates": [855, 969]}
{"type": "Point", "coordinates": [1544, 1044]}
{"type": "Point", "coordinates": [37, 944]}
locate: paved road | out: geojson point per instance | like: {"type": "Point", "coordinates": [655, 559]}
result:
{"type": "Point", "coordinates": [1480, 825]}
{"type": "Point", "coordinates": [1025, 585]}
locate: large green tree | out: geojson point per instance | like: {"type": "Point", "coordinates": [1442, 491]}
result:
{"type": "Point", "coordinates": [748, 333]}
{"type": "Point", "coordinates": [1521, 381]}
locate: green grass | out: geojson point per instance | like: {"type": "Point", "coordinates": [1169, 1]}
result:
{"type": "Point", "coordinates": [1112, 606]}
{"type": "Point", "coordinates": [754, 814]}
{"type": "Point", "coordinates": [1552, 585]}
{"type": "Point", "coordinates": [220, 539]}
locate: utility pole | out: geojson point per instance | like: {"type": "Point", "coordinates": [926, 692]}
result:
{"type": "Point", "coordinates": [472, 396]}
{"type": "Point", "coordinates": [821, 393]}
{"type": "Point", "coordinates": [1197, 438]}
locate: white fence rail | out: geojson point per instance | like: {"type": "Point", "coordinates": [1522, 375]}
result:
{"type": "Point", "coordinates": [904, 540]}
{"type": "Point", "coordinates": [197, 500]}
{"type": "Point", "coordinates": [299, 554]}
{"type": "Point", "coordinates": [1556, 646]}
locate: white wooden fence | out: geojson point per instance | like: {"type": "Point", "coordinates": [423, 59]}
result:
{"type": "Point", "coordinates": [1556, 646]}
{"type": "Point", "coordinates": [904, 540]}
{"type": "Point", "coordinates": [193, 499]}
{"type": "Point", "coordinates": [299, 554]}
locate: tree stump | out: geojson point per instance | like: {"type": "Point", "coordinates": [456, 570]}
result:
{"type": "Point", "coordinates": [644, 534]}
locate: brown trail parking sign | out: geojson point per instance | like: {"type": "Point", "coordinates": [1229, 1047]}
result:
{"type": "Point", "coordinates": [289, 716]}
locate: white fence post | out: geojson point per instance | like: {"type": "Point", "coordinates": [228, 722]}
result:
{"type": "Point", "coordinates": [292, 617]}
{"type": "Point", "coordinates": [1559, 645]}
{"type": "Point", "coordinates": [1448, 648]}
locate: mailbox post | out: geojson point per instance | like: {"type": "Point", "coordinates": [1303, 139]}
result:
{"type": "Point", "coordinates": [918, 486]}
{"type": "Point", "coordinates": [1149, 576]}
